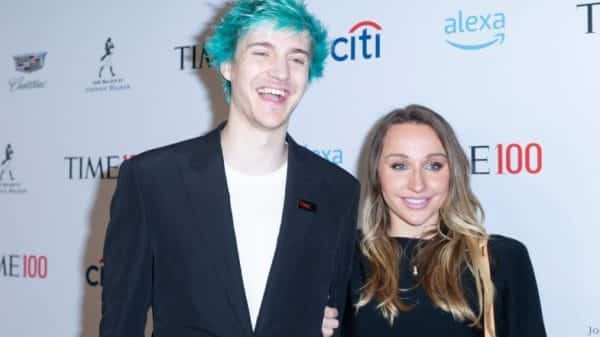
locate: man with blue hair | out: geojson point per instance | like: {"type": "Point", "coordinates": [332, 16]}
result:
{"type": "Point", "coordinates": [240, 232]}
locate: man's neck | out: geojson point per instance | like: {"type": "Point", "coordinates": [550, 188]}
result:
{"type": "Point", "coordinates": [251, 150]}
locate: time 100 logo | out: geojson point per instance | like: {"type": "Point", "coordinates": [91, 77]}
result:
{"type": "Point", "coordinates": [513, 158]}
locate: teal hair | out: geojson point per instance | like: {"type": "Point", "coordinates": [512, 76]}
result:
{"type": "Point", "coordinates": [285, 14]}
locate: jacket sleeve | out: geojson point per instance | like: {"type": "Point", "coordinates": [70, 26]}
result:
{"type": "Point", "coordinates": [339, 291]}
{"type": "Point", "coordinates": [520, 314]}
{"type": "Point", "coordinates": [127, 272]}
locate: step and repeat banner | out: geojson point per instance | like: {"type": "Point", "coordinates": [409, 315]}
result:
{"type": "Point", "coordinates": [89, 84]}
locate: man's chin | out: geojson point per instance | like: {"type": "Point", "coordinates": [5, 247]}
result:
{"type": "Point", "coordinates": [273, 127]}
{"type": "Point", "coordinates": [275, 123]}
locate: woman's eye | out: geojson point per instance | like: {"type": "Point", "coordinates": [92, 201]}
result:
{"type": "Point", "coordinates": [434, 166]}
{"type": "Point", "coordinates": [398, 166]}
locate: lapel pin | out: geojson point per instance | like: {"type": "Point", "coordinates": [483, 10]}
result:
{"type": "Point", "coordinates": [307, 205]}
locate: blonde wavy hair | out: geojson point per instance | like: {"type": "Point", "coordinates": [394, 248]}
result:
{"type": "Point", "coordinates": [454, 245]}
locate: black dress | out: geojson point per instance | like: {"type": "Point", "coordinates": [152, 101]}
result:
{"type": "Point", "coordinates": [517, 305]}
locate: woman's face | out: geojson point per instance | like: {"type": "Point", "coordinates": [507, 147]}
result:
{"type": "Point", "coordinates": [415, 178]}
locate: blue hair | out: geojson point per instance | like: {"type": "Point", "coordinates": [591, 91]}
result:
{"type": "Point", "coordinates": [285, 14]}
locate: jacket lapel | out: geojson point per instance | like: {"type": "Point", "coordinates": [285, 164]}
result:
{"type": "Point", "coordinates": [302, 187]}
{"type": "Point", "coordinates": [207, 185]}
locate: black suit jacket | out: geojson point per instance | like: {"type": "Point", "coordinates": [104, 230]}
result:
{"type": "Point", "coordinates": [170, 244]}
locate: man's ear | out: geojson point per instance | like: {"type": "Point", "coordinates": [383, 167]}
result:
{"type": "Point", "coordinates": [225, 69]}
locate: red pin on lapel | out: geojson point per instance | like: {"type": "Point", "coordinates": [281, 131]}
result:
{"type": "Point", "coordinates": [307, 205]}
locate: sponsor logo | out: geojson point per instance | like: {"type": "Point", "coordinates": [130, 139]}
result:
{"type": "Point", "coordinates": [84, 168]}
{"type": "Point", "coordinates": [107, 79]}
{"type": "Point", "coordinates": [508, 159]}
{"type": "Point", "coordinates": [28, 63]}
{"type": "Point", "coordinates": [335, 156]}
{"type": "Point", "coordinates": [475, 32]}
{"type": "Point", "coordinates": [589, 10]}
{"type": "Point", "coordinates": [363, 42]}
{"type": "Point", "coordinates": [8, 178]}
{"type": "Point", "coordinates": [24, 266]}
{"type": "Point", "coordinates": [94, 274]}
{"type": "Point", "coordinates": [192, 57]}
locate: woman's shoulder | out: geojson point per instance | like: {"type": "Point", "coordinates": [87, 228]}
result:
{"type": "Point", "coordinates": [505, 247]}
{"type": "Point", "coordinates": [508, 257]}
{"type": "Point", "coordinates": [516, 287]}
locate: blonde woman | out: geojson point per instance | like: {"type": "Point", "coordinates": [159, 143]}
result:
{"type": "Point", "coordinates": [425, 265]}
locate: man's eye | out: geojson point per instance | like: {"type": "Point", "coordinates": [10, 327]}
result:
{"type": "Point", "coordinates": [259, 53]}
{"type": "Point", "coordinates": [299, 61]}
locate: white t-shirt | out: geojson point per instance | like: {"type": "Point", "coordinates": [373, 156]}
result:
{"type": "Point", "coordinates": [256, 207]}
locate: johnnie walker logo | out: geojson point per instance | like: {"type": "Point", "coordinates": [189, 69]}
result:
{"type": "Point", "coordinates": [27, 64]}
{"type": "Point", "coordinates": [107, 79]}
{"type": "Point", "coordinates": [8, 179]}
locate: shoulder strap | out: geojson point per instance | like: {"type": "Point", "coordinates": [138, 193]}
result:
{"type": "Point", "coordinates": [489, 324]}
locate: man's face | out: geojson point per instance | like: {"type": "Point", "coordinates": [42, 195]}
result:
{"type": "Point", "coordinates": [268, 75]}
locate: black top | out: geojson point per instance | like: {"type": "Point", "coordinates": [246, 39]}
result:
{"type": "Point", "coordinates": [517, 306]}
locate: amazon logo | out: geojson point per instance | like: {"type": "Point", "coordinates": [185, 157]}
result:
{"type": "Point", "coordinates": [475, 32]}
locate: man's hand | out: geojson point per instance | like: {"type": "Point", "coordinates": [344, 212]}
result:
{"type": "Point", "coordinates": [330, 322]}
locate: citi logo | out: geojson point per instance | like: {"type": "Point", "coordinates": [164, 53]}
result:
{"type": "Point", "coordinates": [94, 274]}
{"type": "Point", "coordinates": [475, 32]}
{"type": "Point", "coordinates": [363, 42]}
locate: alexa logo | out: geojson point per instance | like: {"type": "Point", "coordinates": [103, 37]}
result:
{"type": "Point", "coordinates": [475, 32]}
{"type": "Point", "coordinates": [363, 42]}
{"type": "Point", "coordinates": [334, 155]}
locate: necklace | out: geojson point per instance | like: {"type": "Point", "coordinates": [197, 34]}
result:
{"type": "Point", "coordinates": [410, 258]}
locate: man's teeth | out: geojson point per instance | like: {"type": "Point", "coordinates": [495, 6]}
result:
{"type": "Point", "coordinates": [271, 91]}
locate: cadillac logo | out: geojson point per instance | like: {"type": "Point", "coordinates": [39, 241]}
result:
{"type": "Point", "coordinates": [28, 63]}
